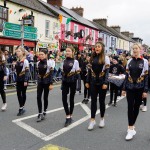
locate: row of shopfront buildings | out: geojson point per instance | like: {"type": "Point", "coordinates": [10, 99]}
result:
{"type": "Point", "coordinates": [58, 26]}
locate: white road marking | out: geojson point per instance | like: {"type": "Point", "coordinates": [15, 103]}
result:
{"type": "Point", "coordinates": [35, 115]}
{"type": "Point", "coordinates": [30, 129]}
{"type": "Point", "coordinates": [61, 131]}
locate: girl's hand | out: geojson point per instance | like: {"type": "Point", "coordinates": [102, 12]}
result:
{"type": "Point", "coordinates": [123, 93]}
{"type": "Point", "coordinates": [25, 83]}
{"type": "Point", "coordinates": [104, 86]}
{"type": "Point", "coordinates": [50, 87]}
{"type": "Point", "coordinates": [87, 85]}
{"type": "Point", "coordinates": [144, 95]}
{"type": "Point", "coordinates": [5, 78]}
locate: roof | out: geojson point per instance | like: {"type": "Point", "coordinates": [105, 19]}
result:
{"type": "Point", "coordinates": [119, 35]}
{"type": "Point", "coordinates": [102, 28]}
{"type": "Point", "coordinates": [33, 4]}
{"type": "Point", "coordinates": [78, 17]}
{"type": "Point", "coordinates": [54, 9]}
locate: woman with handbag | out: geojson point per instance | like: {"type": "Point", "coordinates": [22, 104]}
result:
{"type": "Point", "coordinates": [135, 87]}
{"type": "Point", "coordinates": [69, 78]}
{"type": "Point", "coordinates": [97, 80]}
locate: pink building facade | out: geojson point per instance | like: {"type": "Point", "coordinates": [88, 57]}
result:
{"type": "Point", "coordinates": [78, 35]}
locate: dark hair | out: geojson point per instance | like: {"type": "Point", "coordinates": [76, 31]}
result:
{"type": "Point", "coordinates": [102, 54]}
{"type": "Point", "coordinates": [45, 51]}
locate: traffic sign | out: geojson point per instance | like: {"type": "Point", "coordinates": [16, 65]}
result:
{"type": "Point", "coordinates": [27, 22]}
{"type": "Point", "coordinates": [11, 33]}
{"type": "Point", "coordinates": [30, 29]}
{"type": "Point", "coordinates": [30, 36]}
{"type": "Point", "coordinates": [11, 26]}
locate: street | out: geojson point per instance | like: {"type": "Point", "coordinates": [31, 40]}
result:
{"type": "Point", "coordinates": [26, 134]}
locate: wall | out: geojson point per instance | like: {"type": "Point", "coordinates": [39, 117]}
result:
{"type": "Point", "coordinates": [39, 22]}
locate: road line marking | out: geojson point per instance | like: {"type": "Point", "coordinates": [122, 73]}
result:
{"type": "Point", "coordinates": [35, 115]}
{"type": "Point", "coordinates": [53, 147]}
{"type": "Point", "coordinates": [61, 131]}
{"type": "Point", "coordinates": [86, 109]}
{"type": "Point", "coordinates": [30, 129]}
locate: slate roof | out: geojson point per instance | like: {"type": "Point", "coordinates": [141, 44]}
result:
{"type": "Point", "coordinates": [78, 17]}
{"type": "Point", "coordinates": [54, 9]}
{"type": "Point", "coordinates": [102, 28]}
{"type": "Point", "coordinates": [34, 5]}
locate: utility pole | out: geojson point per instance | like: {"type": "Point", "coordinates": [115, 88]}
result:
{"type": "Point", "coordinates": [22, 34]}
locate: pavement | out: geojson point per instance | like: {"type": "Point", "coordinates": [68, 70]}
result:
{"type": "Point", "coordinates": [24, 133]}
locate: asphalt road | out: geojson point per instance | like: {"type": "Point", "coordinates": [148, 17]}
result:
{"type": "Point", "coordinates": [24, 133]}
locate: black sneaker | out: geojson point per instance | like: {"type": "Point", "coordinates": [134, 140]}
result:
{"type": "Point", "coordinates": [39, 118]}
{"type": "Point", "coordinates": [68, 122]}
{"type": "Point", "coordinates": [21, 112]}
{"type": "Point", "coordinates": [79, 92]}
{"type": "Point", "coordinates": [86, 101]}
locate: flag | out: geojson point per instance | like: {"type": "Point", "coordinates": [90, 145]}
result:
{"type": "Point", "coordinates": [60, 18]}
{"type": "Point", "coordinates": [64, 20]}
{"type": "Point", "coordinates": [68, 20]}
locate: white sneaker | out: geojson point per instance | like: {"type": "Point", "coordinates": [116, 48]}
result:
{"type": "Point", "coordinates": [102, 123]}
{"type": "Point", "coordinates": [91, 125]}
{"type": "Point", "coordinates": [4, 106]}
{"type": "Point", "coordinates": [141, 107]}
{"type": "Point", "coordinates": [130, 134]}
{"type": "Point", "coordinates": [144, 109]}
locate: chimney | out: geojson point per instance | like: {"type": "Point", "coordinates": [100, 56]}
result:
{"type": "Point", "coordinates": [55, 2]}
{"type": "Point", "coordinates": [131, 35]}
{"type": "Point", "coordinates": [102, 22]}
{"type": "Point", "coordinates": [78, 10]}
{"type": "Point", "coordinates": [117, 28]}
{"type": "Point", "coordinates": [126, 33]}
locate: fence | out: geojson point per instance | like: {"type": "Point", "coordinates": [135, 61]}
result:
{"type": "Point", "coordinates": [11, 74]}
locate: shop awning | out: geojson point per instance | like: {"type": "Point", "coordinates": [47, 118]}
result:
{"type": "Point", "coordinates": [12, 42]}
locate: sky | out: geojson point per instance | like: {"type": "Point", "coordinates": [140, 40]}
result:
{"type": "Point", "coordinates": [130, 15]}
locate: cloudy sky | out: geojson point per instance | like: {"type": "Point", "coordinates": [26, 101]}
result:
{"type": "Point", "coordinates": [131, 15]}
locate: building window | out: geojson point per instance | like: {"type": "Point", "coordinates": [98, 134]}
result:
{"type": "Point", "coordinates": [86, 34]}
{"type": "Point", "coordinates": [67, 28]}
{"type": "Point", "coordinates": [75, 31]}
{"type": "Point", "coordinates": [47, 29]}
{"type": "Point", "coordinates": [93, 36]}
{"type": "Point", "coordinates": [3, 16]}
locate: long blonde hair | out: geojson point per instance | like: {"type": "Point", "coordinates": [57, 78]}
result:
{"type": "Point", "coordinates": [23, 50]}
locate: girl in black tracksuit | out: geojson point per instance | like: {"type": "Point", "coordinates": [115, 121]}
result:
{"type": "Point", "coordinates": [22, 70]}
{"type": "Point", "coordinates": [115, 69]}
{"type": "Point", "coordinates": [45, 81]}
{"type": "Point", "coordinates": [84, 72]}
{"type": "Point", "coordinates": [136, 87]}
{"type": "Point", "coordinates": [98, 79]}
{"type": "Point", "coordinates": [3, 77]}
{"type": "Point", "coordinates": [69, 79]}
